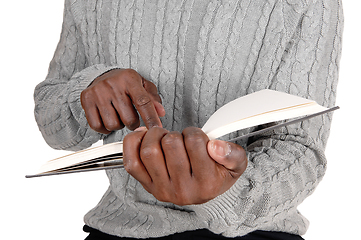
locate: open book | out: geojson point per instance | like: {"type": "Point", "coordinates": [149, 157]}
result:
{"type": "Point", "coordinates": [248, 111]}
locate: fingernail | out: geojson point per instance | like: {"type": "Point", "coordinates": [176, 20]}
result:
{"type": "Point", "coordinates": [140, 129]}
{"type": "Point", "coordinates": [221, 148]}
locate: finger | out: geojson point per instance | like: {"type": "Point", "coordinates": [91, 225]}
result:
{"type": "Point", "coordinates": [126, 111]}
{"type": "Point", "coordinates": [93, 117]}
{"type": "Point", "coordinates": [131, 158]}
{"type": "Point", "coordinates": [159, 108]}
{"type": "Point", "coordinates": [153, 91]}
{"type": "Point", "coordinates": [151, 154]}
{"type": "Point", "coordinates": [230, 155]}
{"type": "Point", "coordinates": [91, 112]}
{"type": "Point", "coordinates": [202, 165]}
{"type": "Point", "coordinates": [177, 161]}
{"type": "Point", "coordinates": [112, 95]}
{"type": "Point", "coordinates": [145, 107]}
{"type": "Point", "coordinates": [109, 116]}
{"type": "Point", "coordinates": [143, 102]}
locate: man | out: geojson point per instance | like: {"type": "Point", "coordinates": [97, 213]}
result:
{"type": "Point", "coordinates": [113, 59]}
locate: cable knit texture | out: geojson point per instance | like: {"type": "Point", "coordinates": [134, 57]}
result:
{"type": "Point", "coordinates": [201, 55]}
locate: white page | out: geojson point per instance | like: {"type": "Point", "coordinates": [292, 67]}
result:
{"type": "Point", "coordinates": [258, 108]}
{"type": "Point", "coordinates": [81, 156]}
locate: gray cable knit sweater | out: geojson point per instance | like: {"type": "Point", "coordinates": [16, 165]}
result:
{"type": "Point", "coordinates": [201, 54]}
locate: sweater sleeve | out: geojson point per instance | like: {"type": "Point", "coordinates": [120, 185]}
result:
{"type": "Point", "coordinates": [58, 111]}
{"type": "Point", "coordinates": [286, 165]}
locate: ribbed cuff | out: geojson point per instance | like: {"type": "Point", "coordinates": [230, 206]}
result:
{"type": "Point", "coordinates": [219, 212]}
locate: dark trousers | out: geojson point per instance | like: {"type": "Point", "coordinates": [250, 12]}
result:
{"type": "Point", "coordinates": [201, 234]}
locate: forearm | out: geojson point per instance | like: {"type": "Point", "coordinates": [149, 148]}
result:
{"type": "Point", "coordinates": [58, 110]}
{"type": "Point", "coordinates": [286, 165]}
{"type": "Point", "coordinates": [59, 113]}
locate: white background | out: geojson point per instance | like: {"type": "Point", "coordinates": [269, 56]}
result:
{"type": "Point", "coordinates": [53, 207]}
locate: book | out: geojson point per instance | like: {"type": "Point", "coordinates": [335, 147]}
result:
{"type": "Point", "coordinates": [265, 106]}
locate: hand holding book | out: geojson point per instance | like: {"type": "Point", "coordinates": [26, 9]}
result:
{"type": "Point", "coordinates": [251, 110]}
{"type": "Point", "coordinates": [180, 167]}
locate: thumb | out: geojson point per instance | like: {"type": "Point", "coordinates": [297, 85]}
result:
{"type": "Point", "coordinates": [230, 155]}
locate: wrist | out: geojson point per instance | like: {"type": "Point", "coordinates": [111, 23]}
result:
{"type": "Point", "coordinates": [101, 76]}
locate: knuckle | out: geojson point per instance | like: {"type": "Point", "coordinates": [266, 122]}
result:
{"type": "Point", "coordinates": [130, 72]}
{"type": "Point", "coordinates": [171, 139]}
{"type": "Point", "coordinates": [83, 93]}
{"type": "Point", "coordinates": [131, 166]}
{"type": "Point", "coordinates": [108, 83]}
{"type": "Point", "coordinates": [128, 137]}
{"type": "Point", "coordinates": [142, 100]}
{"type": "Point", "coordinates": [95, 125]}
{"type": "Point", "coordinates": [130, 75]}
{"type": "Point", "coordinates": [131, 122]}
{"type": "Point", "coordinates": [194, 137]}
{"type": "Point", "coordinates": [149, 152]}
{"type": "Point", "coordinates": [113, 125]}
{"type": "Point", "coordinates": [86, 95]}
{"type": "Point", "coordinates": [132, 138]}
{"type": "Point", "coordinates": [159, 131]}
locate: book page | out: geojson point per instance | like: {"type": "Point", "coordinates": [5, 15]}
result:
{"type": "Point", "coordinates": [82, 156]}
{"type": "Point", "coordinates": [258, 108]}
